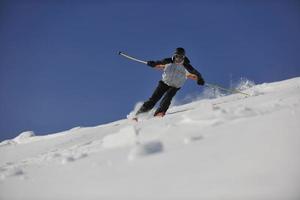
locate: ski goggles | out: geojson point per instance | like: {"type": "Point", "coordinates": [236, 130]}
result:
{"type": "Point", "coordinates": [179, 58]}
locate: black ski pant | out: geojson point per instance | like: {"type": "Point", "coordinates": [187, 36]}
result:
{"type": "Point", "coordinates": [161, 90]}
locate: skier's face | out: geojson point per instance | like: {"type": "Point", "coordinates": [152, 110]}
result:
{"type": "Point", "coordinates": [178, 58]}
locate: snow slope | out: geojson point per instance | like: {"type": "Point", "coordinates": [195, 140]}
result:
{"type": "Point", "coordinates": [225, 148]}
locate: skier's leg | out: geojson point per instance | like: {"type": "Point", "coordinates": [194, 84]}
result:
{"type": "Point", "coordinates": [166, 101]}
{"type": "Point", "coordinates": [156, 96]}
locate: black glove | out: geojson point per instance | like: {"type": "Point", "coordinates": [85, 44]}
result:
{"type": "Point", "coordinates": [151, 63]}
{"type": "Point", "coordinates": [200, 81]}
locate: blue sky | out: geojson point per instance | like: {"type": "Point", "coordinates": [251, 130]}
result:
{"type": "Point", "coordinates": [59, 66]}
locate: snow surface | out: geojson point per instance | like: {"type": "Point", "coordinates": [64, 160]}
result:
{"type": "Point", "coordinates": [229, 147]}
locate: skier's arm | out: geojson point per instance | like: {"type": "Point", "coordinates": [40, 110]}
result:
{"type": "Point", "coordinates": [194, 74]}
{"type": "Point", "coordinates": [160, 64]}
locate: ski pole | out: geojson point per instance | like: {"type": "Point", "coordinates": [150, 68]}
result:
{"type": "Point", "coordinates": [225, 89]}
{"type": "Point", "coordinates": [131, 58]}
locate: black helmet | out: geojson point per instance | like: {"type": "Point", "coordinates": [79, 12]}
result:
{"type": "Point", "coordinates": [180, 51]}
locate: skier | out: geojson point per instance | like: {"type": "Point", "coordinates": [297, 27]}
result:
{"type": "Point", "coordinates": [176, 70]}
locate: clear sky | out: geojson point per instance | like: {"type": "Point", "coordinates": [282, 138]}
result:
{"type": "Point", "coordinates": [59, 66]}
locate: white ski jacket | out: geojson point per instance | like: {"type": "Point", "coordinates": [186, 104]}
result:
{"type": "Point", "coordinates": [174, 75]}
